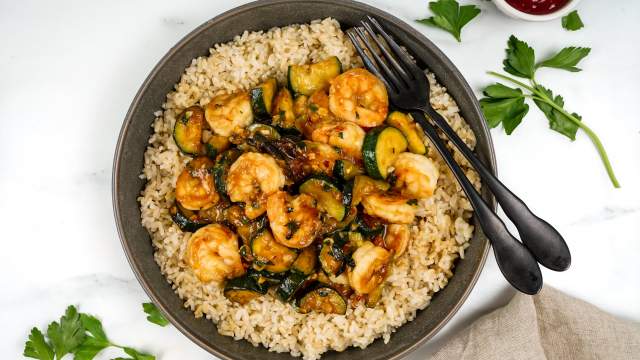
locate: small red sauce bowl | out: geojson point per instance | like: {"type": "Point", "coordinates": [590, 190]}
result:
{"type": "Point", "coordinates": [536, 10]}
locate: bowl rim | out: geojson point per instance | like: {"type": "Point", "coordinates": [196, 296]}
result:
{"type": "Point", "coordinates": [115, 186]}
{"type": "Point", "coordinates": [503, 6]}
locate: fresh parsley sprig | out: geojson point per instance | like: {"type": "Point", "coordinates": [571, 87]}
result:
{"type": "Point", "coordinates": [572, 21]}
{"type": "Point", "coordinates": [506, 106]}
{"type": "Point", "coordinates": [450, 16]}
{"type": "Point", "coordinates": [77, 333]}
{"type": "Point", "coordinates": [155, 316]}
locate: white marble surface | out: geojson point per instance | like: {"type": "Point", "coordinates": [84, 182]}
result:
{"type": "Point", "coordinates": [70, 69]}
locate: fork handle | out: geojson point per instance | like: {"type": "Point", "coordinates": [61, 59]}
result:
{"type": "Point", "coordinates": [517, 264]}
{"type": "Point", "coordinates": [542, 239]}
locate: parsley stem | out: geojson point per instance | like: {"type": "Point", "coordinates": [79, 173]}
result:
{"type": "Point", "coordinates": [541, 96]}
{"type": "Point", "coordinates": [592, 135]}
{"type": "Point", "coordinates": [508, 78]}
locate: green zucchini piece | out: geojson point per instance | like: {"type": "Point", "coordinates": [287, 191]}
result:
{"type": "Point", "coordinates": [187, 131]}
{"type": "Point", "coordinates": [331, 257]}
{"type": "Point", "coordinates": [283, 115]}
{"type": "Point", "coordinates": [374, 297]}
{"type": "Point", "coordinates": [306, 79]}
{"type": "Point", "coordinates": [187, 220]}
{"type": "Point", "coordinates": [290, 286]}
{"type": "Point", "coordinates": [404, 122]}
{"type": "Point", "coordinates": [329, 197]}
{"type": "Point", "coordinates": [368, 227]}
{"type": "Point", "coordinates": [380, 148]}
{"type": "Point", "coordinates": [265, 278]}
{"type": "Point", "coordinates": [250, 228]}
{"type": "Point", "coordinates": [347, 193]}
{"type": "Point", "coordinates": [243, 289]}
{"type": "Point", "coordinates": [262, 98]}
{"type": "Point", "coordinates": [324, 300]}
{"type": "Point", "coordinates": [216, 145]}
{"type": "Point", "coordinates": [268, 132]}
{"type": "Point", "coordinates": [221, 168]}
{"type": "Point", "coordinates": [270, 255]}
{"type": "Point", "coordinates": [306, 261]}
{"type": "Point", "coordinates": [364, 185]}
{"type": "Point", "coordinates": [346, 170]}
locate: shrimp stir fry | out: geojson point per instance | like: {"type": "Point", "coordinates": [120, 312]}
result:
{"type": "Point", "coordinates": [213, 254]}
{"type": "Point", "coordinates": [308, 199]}
{"type": "Point", "coordinates": [360, 97]}
{"type": "Point", "coordinates": [251, 179]}
{"type": "Point", "coordinates": [295, 220]}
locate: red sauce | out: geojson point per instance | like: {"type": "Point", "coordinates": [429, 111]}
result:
{"type": "Point", "coordinates": [538, 7]}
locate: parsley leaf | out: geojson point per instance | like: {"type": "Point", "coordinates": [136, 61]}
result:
{"type": "Point", "coordinates": [68, 334]}
{"type": "Point", "coordinates": [450, 16]}
{"type": "Point", "coordinates": [557, 120]}
{"type": "Point", "coordinates": [155, 316]}
{"type": "Point", "coordinates": [135, 355]}
{"type": "Point", "coordinates": [503, 105]}
{"type": "Point", "coordinates": [93, 344]}
{"type": "Point", "coordinates": [37, 347]}
{"type": "Point", "coordinates": [521, 58]}
{"type": "Point", "coordinates": [566, 59]}
{"type": "Point", "coordinates": [572, 21]}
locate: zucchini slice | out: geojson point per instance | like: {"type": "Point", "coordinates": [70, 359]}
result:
{"type": "Point", "coordinates": [269, 255]}
{"type": "Point", "coordinates": [221, 169]}
{"type": "Point", "coordinates": [283, 114]}
{"type": "Point", "coordinates": [404, 122]}
{"type": "Point", "coordinates": [265, 278]}
{"type": "Point", "coordinates": [331, 257]}
{"type": "Point", "coordinates": [216, 145]}
{"type": "Point", "coordinates": [381, 147]}
{"type": "Point", "coordinates": [268, 132]}
{"type": "Point", "coordinates": [290, 286]}
{"type": "Point", "coordinates": [374, 297]}
{"type": "Point", "coordinates": [187, 220]}
{"type": "Point", "coordinates": [364, 185]}
{"type": "Point", "coordinates": [262, 98]}
{"type": "Point", "coordinates": [306, 261]}
{"type": "Point", "coordinates": [327, 193]}
{"type": "Point", "coordinates": [369, 226]}
{"type": "Point", "coordinates": [346, 170]}
{"type": "Point", "coordinates": [187, 131]}
{"type": "Point", "coordinates": [306, 79]}
{"type": "Point", "coordinates": [324, 300]}
{"type": "Point", "coordinates": [243, 289]}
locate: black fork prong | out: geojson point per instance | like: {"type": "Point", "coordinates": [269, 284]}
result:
{"type": "Point", "coordinates": [390, 58]}
{"type": "Point", "coordinates": [391, 77]}
{"type": "Point", "coordinates": [401, 53]}
{"type": "Point", "coordinates": [368, 63]}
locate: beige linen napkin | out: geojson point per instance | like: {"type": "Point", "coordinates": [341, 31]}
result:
{"type": "Point", "coordinates": [548, 326]}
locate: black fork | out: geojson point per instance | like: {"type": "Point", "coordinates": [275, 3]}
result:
{"type": "Point", "coordinates": [408, 89]}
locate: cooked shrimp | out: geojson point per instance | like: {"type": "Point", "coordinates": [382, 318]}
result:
{"type": "Point", "coordinates": [312, 111]}
{"type": "Point", "coordinates": [229, 114]}
{"type": "Point", "coordinates": [344, 135]}
{"type": "Point", "coordinates": [397, 238]}
{"type": "Point", "coordinates": [358, 96]}
{"type": "Point", "coordinates": [294, 220]}
{"type": "Point", "coordinates": [194, 187]}
{"type": "Point", "coordinates": [213, 254]}
{"type": "Point", "coordinates": [370, 270]}
{"type": "Point", "coordinates": [251, 179]}
{"type": "Point", "coordinates": [416, 175]}
{"type": "Point", "coordinates": [392, 208]}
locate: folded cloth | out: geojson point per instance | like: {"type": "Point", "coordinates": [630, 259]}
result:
{"type": "Point", "coordinates": [548, 326]}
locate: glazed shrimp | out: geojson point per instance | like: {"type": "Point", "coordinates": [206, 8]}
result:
{"type": "Point", "coordinates": [392, 208]}
{"type": "Point", "coordinates": [416, 175]}
{"type": "Point", "coordinates": [194, 187]}
{"type": "Point", "coordinates": [318, 157]}
{"type": "Point", "coordinates": [396, 238]}
{"type": "Point", "coordinates": [294, 220]}
{"type": "Point", "coordinates": [229, 114]}
{"type": "Point", "coordinates": [370, 270]}
{"type": "Point", "coordinates": [213, 254]}
{"type": "Point", "coordinates": [344, 135]}
{"type": "Point", "coordinates": [358, 96]}
{"type": "Point", "coordinates": [251, 179]}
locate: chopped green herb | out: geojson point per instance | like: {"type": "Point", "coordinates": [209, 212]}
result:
{"type": "Point", "coordinates": [506, 106]}
{"type": "Point", "coordinates": [450, 16]}
{"type": "Point", "coordinates": [155, 316]}
{"type": "Point", "coordinates": [572, 21]}
{"type": "Point", "coordinates": [313, 107]}
{"type": "Point", "coordinates": [341, 135]}
{"type": "Point", "coordinates": [412, 202]}
{"type": "Point", "coordinates": [37, 347]}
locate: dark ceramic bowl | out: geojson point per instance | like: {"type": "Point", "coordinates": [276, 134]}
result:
{"type": "Point", "coordinates": [128, 164]}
